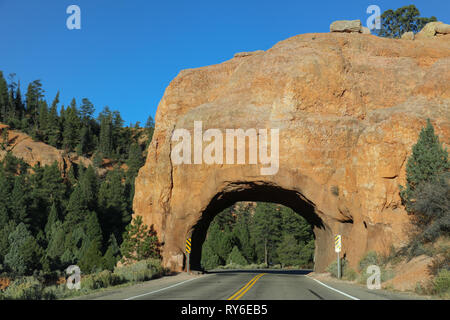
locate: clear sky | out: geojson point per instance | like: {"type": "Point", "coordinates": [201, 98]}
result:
{"type": "Point", "coordinates": [128, 51]}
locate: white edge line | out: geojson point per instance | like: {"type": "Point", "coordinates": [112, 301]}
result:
{"type": "Point", "coordinates": [331, 288]}
{"type": "Point", "coordinates": [148, 293]}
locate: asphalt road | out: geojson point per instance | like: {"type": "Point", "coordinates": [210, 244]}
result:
{"type": "Point", "coordinates": [247, 285]}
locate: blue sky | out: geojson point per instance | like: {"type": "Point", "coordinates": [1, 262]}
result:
{"type": "Point", "coordinates": [127, 52]}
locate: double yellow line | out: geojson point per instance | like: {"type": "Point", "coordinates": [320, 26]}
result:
{"type": "Point", "coordinates": [245, 288]}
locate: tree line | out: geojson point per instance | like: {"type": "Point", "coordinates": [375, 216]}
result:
{"type": "Point", "coordinates": [51, 219]}
{"type": "Point", "coordinates": [73, 128]}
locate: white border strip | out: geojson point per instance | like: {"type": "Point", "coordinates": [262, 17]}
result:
{"type": "Point", "coordinates": [149, 293]}
{"type": "Point", "coordinates": [343, 293]}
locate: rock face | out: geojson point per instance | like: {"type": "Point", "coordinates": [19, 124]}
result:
{"type": "Point", "coordinates": [432, 29]}
{"type": "Point", "coordinates": [408, 35]}
{"type": "Point", "coordinates": [32, 152]}
{"type": "Point", "coordinates": [348, 108]}
{"type": "Point", "coordinates": [346, 26]}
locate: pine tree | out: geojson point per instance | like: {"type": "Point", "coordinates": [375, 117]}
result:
{"type": "Point", "coordinates": [43, 121]}
{"type": "Point", "coordinates": [4, 99]}
{"type": "Point", "coordinates": [51, 221]}
{"type": "Point", "coordinates": [427, 161]}
{"type": "Point", "coordinates": [71, 127]}
{"type": "Point", "coordinates": [288, 251]}
{"type": "Point", "coordinates": [24, 254]}
{"type": "Point", "coordinates": [210, 259]}
{"type": "Point", "coordinates": [149, 129]}
{"type": "Point", "coordinates": [113, 204]}
{"type": "Point", "coordinates": [139, 242]}
{"type": "Point", "coordinates": [135, 161]}
{"type": "Point", "coordinates": [111, 256]}
{"type": "Point", "coordinates": [241, 232]}
{"type": "Point", "coordinates": [106, 132]}
{"type": "Point", "coordinates": [236, 257]}
{"type": "Point", "coordinates": [267, 231]}
{"type": "Point", "coordinates": [33, 97]}
{"type": "Point", "coordinates": [19, 200]}
{"type": "Point", "coordinates": [53, 127]}
{"type": "Point", "coordinates": [90, 259]}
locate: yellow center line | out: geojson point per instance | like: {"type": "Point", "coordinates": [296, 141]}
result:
{"type": "Point", "coordinates": [245, 288]}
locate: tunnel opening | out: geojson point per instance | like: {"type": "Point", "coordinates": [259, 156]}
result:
{"type": "Point", "coordinates": [250, 192]}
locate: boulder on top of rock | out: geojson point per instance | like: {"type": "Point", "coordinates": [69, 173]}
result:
{"type": "Point", "coordinates": [443, 28]}
{"type": "Point", "coordinates": [431, 29]}
{"type": "Point", "coordinates": [246, 54]}
{"type": "Point", "coordinates": [346, 26]}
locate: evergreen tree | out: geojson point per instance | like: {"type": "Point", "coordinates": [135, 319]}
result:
{"type": "Point", "coordinates": [241, 232]}
{"type": "Point", "coordinates": [106, 132]}
{"type": "Point", "coordinates": [5, 231]}
{"type": "Point", "coordinates": [33, 97]}
{"type": "Point", "coordinates": [113, 204]}
{"type": "Point", "coordinates": [19, 200]}
{"type": "Point", "coordinates": [53, 126]}
{"type": "Point", "coordinates": [24, 254]}
{"type": "Point", "coordinates": [427, 161]}
{"type": "Point", "coordinates": [267, 231]}
{"type": "Point", "coordinates": [4, 99]}
{"type": "Point", "coordinates": [222, 241]}
{"type": "Point", "coordinates": [71, 127]}
{"type": "Point", "coordinates": [139, 242]}
{"type": "Point", "coordinates": [111, 256]}
{"type": "Point", "coordinates": [288, 251]}
{"type": "Point", "coordinates": [51, 221]}
{"type": "Point", "coordinates": [135, 161]}
{"type": "Point", "coordinates": [149, 129]}
{"type": "Point", "coordinates": [90, 259]}
{"type": "Point", "coordinates": [210, 259]}
{"type": "Point", "coordinates": [236, 257]}
{"type": "Point", "coordinates": [43, 121]}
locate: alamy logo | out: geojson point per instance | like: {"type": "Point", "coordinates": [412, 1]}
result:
{"type": "Point", "coordinates": [74, 280]}
{"type": "Point", "coordinates": [212, 153]}
{"type": "Point", "coordinates": [74, 20]}
{"type": "Point", "coordinates": [374, 280]}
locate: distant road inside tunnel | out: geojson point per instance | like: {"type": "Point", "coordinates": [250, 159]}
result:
{"type": "Point", "coordinates": [247, 285]}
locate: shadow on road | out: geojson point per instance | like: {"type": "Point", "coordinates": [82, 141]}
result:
{"type": "Point", "coordinates": [274, 271]}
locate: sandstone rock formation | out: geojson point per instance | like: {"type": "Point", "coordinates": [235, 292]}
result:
{"type": "Point", "coordinates": [348, 108]}
{"type": "Point", "coordinates": [365, 30]}
{"type": "Point", "coordinates": [346, 26]}
{"type": "Point", "coordinates": [432, 29]}
{"type": "Point", "coordinates": [33, 152]}
{"type": "Point", "coordinates": [408, 36]}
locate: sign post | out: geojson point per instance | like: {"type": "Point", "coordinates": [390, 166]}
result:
{"type": "Point", "coordinates": [337, 249]}
{"type": "Point", "coordinates": [188, 253]}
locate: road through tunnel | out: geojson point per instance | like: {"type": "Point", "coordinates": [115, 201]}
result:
{"type": "Point", "coordinates": [256, 192]}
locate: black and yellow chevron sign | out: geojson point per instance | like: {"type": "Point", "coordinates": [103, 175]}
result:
{"type": "Point", "coordinates": [188, 245]}
{"type": "Point", "coordinates": [337, 243]}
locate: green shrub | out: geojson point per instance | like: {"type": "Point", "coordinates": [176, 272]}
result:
{"type": "Point", "coordinates": [26, 288]}
{"type": "Point", "coordinates": [370, 258]}
{"type": "Point", "coordinates": [140, 271]}
{"type": "Point", "coordinates": [333, 269]}
{"type": "Point", "coordinates": [99, 280]}
{"type": "Point", "coordinates": [350, 274]}
{"type": "Point", "coordinates": [441, 283]}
